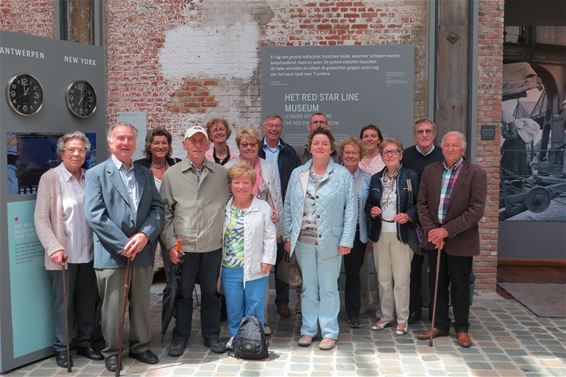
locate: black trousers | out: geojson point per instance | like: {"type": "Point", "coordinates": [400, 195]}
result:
{"type": "Point", "coordinates": [205, 266]}
{"type": "Point", "coordinates": [454, 271]}
{"type": "Point", "coordinates": [416, 299]}
{"type": "Point", "coordinates": [81, 300]}
{"type": "Point", "coordinates": [281, 288]}
{"type": "Point", "coordinates": [352, 264]}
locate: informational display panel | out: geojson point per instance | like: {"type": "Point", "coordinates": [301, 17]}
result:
{"type": "Point", "coordinates": [49, 88]}
{"type": "Point", "coordinates": [353, 85]}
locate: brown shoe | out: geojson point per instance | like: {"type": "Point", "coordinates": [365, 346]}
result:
{"type": "Point", "coordinates": [464, 339]}
{"type": "Point", "coordinates": [425, 335]}
{"type": "Point", "coordinates": [284, 311]}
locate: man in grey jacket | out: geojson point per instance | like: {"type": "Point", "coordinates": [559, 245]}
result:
{"type": "Point", "coordinates": [123, 208]}
{"type": "Point", "coordinates": [194, 194]}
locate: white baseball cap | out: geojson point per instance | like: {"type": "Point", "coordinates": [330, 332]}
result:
{"type": "Point", "coordinates": [194, 130]}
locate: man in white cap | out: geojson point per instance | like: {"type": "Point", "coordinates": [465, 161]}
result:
{"type": "Point", "coordinates": [194, 193]}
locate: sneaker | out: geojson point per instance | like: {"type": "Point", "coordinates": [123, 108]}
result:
{"type": "Point", "coordinates": [326, 344]}
{"type": "Point", "coordinates": [229, 343]}
{"type": "Point", "coordinates": [266, 329]}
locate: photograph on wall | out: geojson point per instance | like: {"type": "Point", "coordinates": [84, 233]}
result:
{"type": "Point", "coordinates": [29, 155]}
{"type": "Point", "coordinates": [533, 125]}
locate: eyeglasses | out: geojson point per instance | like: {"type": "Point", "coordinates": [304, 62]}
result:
{"type": "Point", "coordinates": [75, 150]}
{"type": "Point", "coordinates": [246, 145]}
{"type": "Point", "coordinates": [422, 132]}
{"type": "Point", "coordinates": [315, 122]}
{"type": "Point", "coordinates": [392, 152]}
{"type": "Point", "coordinates": [272, 125]}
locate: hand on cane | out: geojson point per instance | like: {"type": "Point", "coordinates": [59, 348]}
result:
{"type": "Point", "coordinates": [59, 257]}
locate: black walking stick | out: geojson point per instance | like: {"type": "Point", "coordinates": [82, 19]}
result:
{"type": "Point", "coordinates": [66, 307]}
{"type": "Point", "coordinates": [123, 314]}
{"type": "Point", "coordinates": [439, 250]}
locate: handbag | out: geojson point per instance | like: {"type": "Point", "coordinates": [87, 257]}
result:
{"type": "Point", "coordinates": [289, 271]}
{"type": "Point", "coordinates": [416, 239]}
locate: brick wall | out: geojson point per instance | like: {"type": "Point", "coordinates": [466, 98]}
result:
{"type": "Point", "coordinates": [490, 61]}
{"type": "Point", "coordinates": [34, 18]}
{"type": "Point", "coordinates": [185, 62]}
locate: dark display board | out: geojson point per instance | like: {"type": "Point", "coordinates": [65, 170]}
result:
{"type": "Point", "coordinates": [353, 85]}
{"type": "Point", "coordinates": [44, 95]}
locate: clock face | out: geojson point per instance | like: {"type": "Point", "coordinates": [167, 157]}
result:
{"type": "Point", "coordinates": [81, 98]}
{"type": "Point", "coordinates": [25, 94]}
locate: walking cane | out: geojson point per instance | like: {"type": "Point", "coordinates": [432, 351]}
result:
{"type": "Point", "coordinates": [439, 250]}
{"type": "Point", "coordinates": [66, 307]}
{"type": "Point", "coordinates": [123, 314]}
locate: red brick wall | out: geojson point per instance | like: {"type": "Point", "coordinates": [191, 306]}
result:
{"type": "Point", "coordinates": [34, 18]}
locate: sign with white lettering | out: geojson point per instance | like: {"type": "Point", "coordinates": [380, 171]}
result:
{"type": "Point", "coordinates": [353, 85]}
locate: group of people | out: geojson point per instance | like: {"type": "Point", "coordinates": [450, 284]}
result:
{"type": "Point", "coordinates": [231, 217]}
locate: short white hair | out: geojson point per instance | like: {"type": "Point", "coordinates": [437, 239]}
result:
{"type": "Point", "coordinates": [460, 136]}
{"type": "Point", "coordinates": [120, 124]}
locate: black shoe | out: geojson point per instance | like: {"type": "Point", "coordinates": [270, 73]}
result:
{"type": "Point", "coordinates": [354, 323]}
{"type": "Point", "coordinates": [146, 356]}
{"type": "Point", "coordinates": [89, 353]}
{"type": "Point", "coordinates": [216, 346]}
{"type": "Point", "coordinates": [111, 363]}
{"type": "Point", "coordinates": [61, 359]}
{"type": "Point", "coordinates": [177, 347]}
{"type": "Point", "coordinates": [414, 317]}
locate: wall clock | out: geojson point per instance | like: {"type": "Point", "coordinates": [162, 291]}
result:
{"type": "Point", "coordinates": [25, 94]}
{"type": "Point", "coordinates": [81, 98]}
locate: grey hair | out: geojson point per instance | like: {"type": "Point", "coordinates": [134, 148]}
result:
{"type": "Point", "coordinates": [120, 124]}
{"type": "Point", "coordinates": [426, 121]}
{"type": "Point", "coordinates": [70, 136]}
{"type": "Point", "coordinates": [460, 135]}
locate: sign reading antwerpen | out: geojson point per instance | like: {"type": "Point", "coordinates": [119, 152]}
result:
{"type": "Point", "coordinates": [353, 85]}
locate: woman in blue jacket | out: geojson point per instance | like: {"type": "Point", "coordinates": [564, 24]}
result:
{"type": "Point", "coordinates": [392, 207]}
{"type": "Point", "coordinates": [319, 225]}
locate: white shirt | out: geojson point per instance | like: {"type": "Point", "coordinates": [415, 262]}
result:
{"type": "Point", "coordinates": [129, 179]}
{"type": "Point", "coordinates": [77, 231]}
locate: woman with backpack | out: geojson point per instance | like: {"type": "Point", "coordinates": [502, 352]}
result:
{"type": "Point", "coordinates": [249, 249]}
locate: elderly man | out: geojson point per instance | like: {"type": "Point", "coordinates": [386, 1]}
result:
{"type": "Point", "coordinates": [194, 193]}
{"type": "Point", "coordinates": [451, 203]}
{"type": "Point", "coordinates": [416, 158]}
{"type": "Point", "coordinates": [317, 120]}
{"type": "Point", "coordinates": [284, 159]}
{"type": "Point", "coordinates": [124, 210]}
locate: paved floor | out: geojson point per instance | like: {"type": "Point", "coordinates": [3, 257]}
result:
{"type": "Point", "coordinates": [508, 341]}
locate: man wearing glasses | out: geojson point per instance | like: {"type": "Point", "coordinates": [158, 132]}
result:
{"type": "Point", "coordinates": [283, 159]}
{"type": "Point", "coordinates": [416, 157]}
{"type": "Point", "coordinates": [317, 120]}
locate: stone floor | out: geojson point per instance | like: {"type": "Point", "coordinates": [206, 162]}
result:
{"type": "Point", "coordinates": [508, 341]}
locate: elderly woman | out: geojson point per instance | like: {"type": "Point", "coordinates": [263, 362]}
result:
{"type": "Point", "coordinates": [218, 132]}
{"type": "Point", "coordinates": [319, 225]}
{"type": "Point", "coordinates": [249, 249]}
{"type": "Point", "coordinates": [64, 233]}
{"type": "Point", "coordinates": [157, 153]}
{"type": "Point", "coordinates": [351, 151]}
{"type": "Point", "coordinates": [266, 185]}
{"type": "Point", "coordinates": [392, 208]}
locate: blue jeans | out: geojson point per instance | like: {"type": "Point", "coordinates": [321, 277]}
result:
{"type": "Point", "coordinates": [242, 301]}
{"type": "Point", "coordinates": [320, 300]}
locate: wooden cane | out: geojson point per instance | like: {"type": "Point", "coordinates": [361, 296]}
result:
{"type": "Point", "coordinates": [66, 308]}
{"type": "Point", "coordinates": [123, 314]}
{"type": "Point", "coordinates": [439, 250]}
